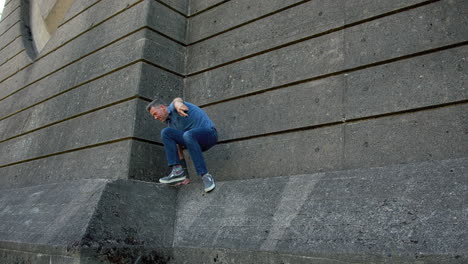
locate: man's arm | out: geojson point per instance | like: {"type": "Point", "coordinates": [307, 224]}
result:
{"type": "Point", "coordinates": [180, 107]}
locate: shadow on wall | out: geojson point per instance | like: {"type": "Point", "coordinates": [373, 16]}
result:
{"type": "Point", "coordinates": [41, 19]}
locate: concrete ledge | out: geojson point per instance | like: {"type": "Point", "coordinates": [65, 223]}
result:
{"type": "Point", "coordinates": [14, 65]}
{"type": "Point", "coordinates": [179, 5]}
{"type": "Point", "coordinates": [400, 214]}
{"type": "Point", "coordinates": [104, 220]}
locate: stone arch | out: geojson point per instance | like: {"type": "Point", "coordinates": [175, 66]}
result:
{"type": "Point", "coordinates": [41, 19]}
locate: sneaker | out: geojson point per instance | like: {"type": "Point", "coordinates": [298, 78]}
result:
{"type": "Point", "coordinates": [173, 177]}
{"type": "Point", "coordinates": [208, 182]}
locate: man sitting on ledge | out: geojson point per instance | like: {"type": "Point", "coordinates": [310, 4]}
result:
{"type": "Point", "coordinates": [188, 127]}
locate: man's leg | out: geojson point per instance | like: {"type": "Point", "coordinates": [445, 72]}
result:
{"type": "Point", "coordinates": [183, 163]}
{"type": "Point", "coordinates": [171, 138]}
{"type": "Point", "coordinates": [198, 140]}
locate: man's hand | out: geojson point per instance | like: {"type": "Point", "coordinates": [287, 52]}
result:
{"type": "Point", "coordinates": [180, 107]}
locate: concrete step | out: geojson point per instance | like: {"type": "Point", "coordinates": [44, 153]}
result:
{"type": "Point", "coordinates": [407, 213]}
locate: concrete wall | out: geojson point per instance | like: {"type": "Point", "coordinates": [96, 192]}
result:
{"type": "Point", "coordinates": [343, 131]}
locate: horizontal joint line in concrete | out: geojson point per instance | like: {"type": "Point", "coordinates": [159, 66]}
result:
{"type": "Point", "coordinates": [172, 8]}
{"type": "Point", "coordinates": [166, 36]}
{"type": "Point", "coordinates": [69, 151]}
{"type": "Point", "coordinates": [82, 11]}
{"type": "Point", "coordinates": [21, 51]}
{"type": "Point", "coordinates": [14, 24]}
{"type": "Point", "coordinates": [304, 38]}
{"type": "Point", "coordinates": [72, 117]}
{"type": "Point", "coordinates": [72, 88]}
{"type": "Point", "coordinates": [68, 64]}
{"type": "Point", "coordinates": [164, 69]}
{"type": "Point", "coordinates": [206, 9]}
{"type": "Point", "coordinates": [7, 3]}
{"type": "Point", "coordinates": [348, 121]}
{"type": "Point", "coordinates": [250, 21]}
{"type": "Point", "coordinates": [3, 18]}
{"type": "Point", "coordinates": [10, 42]}
{"type": "Point", "coordinates": [345, 71]}
{"type": "Point", "coordinates": [82, 148]}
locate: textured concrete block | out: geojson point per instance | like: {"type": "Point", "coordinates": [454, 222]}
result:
{"type": "Point", "coordinates": [114, 56]}
{"type": "Point", "coordinates": [179, 5]}
{"type": "Point", "coordinates": [10, 51]}
{"type": "Point", "coordinates": [10, 35]}
{"type": "Point", "coordinates": [427, 135]}
{"type": "Point", "coordinates": [90, 220]}
{"type": "Point", "coordinates": [198, 6]}
{"type": "Point", "coordinates": [108, 124]}
{"type": "Point", "coordinates": [101, 11]}
{"type": "Point", "coordinates": [432, 79]}
{"type": "Point", "coordinates": [439, 24]}
{"type": "Point", "coordinates": [9, 9]}
{"type": "Point", "coordinates": [110, 161]}
{"type": "Point", "coordinates": [209, 23]}
{"type": "Point", "coordinates": [147, 162]}
{"type": "Point", "coordinates": [77, 7]}
{"type": "Point", "coordinates": [403, 213]}
{"type": "Point", "coordinates": [297, 106]}
{"type": "Point", "coordinates": [9, 21]}
{"type": "Point", "coordinates": [285, 154]}
{"type": "Point", "coordinates": [164, 52]}
{"type": "Point", "coordinates": [316, 57]}
{"type": "Point", "coordinates": [165, 20]}
{"type": "Point", "coordinates": [357, 10]}
{"type": "Point", "coordinates": [112, 88]}
{"type": "Point", "coordinates": [16, 64]}
{"type": "Point", "coordinates": [305, 20]}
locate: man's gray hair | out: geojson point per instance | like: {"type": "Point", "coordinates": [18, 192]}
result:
{"type": "Point", "coordinates": [155, 103]}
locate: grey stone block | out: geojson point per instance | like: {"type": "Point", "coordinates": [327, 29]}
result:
{"type": "Point", "coordinates": [9, 9]}
{"type": "Point", "coordinates": [198, 6]}
{"type": "Point", "coordinates": [10, 35]}
{"type": "Point", "coordinates": [109, 89]}
{"type": "Point", "coordinates": [303, 105]}
{"type": "Point", "coordinates": [166, 20]}
{"type": "Point", "coordinates": [16, 64]}
{"type": "Point", "coordinates": [104, 61]}
{"type": "Point", "coordinates": [78, 7]}
{"type": "Point", "coordinates": [304, 60]}
{"type": "Point", "coordinates": [432, 79]}
{"type": "Point", "coordinates": [209, 23]}
{"type": "Point", "coordinates": [302, 21]}
{"type": "Point", "coordinates": [9, 21]}
{"type": "Point", "coordinates": [164, 52]}
{"type": "Point", "coordinates": [427, 135]}
{"type": "Point", "coordinates": [13, 256]}
{"type": "Point", "coordinates": [88, 220]}
{"type": "Point", "coordinates": [108, 124]}
{"type": "Point", "coordinates": [400, 214]}
{"type": "Point", "coordinates": [291, 153]}
{"type": "Point", "coordinates": [10, 51]}
{"type": "Point", "coordinates": [108, 161]}
{"type": "Point", "coordinates": [357, 10]}
{"type": "Point", "coordinates": [179, 5]}
{"type": "Point", "coordinates": [147, 162]}
{"type": "Point", "coordinates": [432, 26]}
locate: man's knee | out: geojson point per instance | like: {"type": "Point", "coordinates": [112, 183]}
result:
{"type": "Point", "coordinates": [188, 136]}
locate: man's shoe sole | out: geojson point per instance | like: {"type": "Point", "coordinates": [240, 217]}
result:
{"type": "Point", "coordinates": [210, 188]}
{"type": "Point", "coordinates": [173, 180]}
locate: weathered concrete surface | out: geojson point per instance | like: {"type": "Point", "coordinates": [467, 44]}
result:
{"type": "Point", "coordinates": [432, 79]}
{"type": "Point", "coordinates": [302, 105]}
{"type": "Point", "coordinates": [9, 21]}
{"type": "Point", "coordinates": [227, 16]}
{"type": "Point", "coordinates": [428, 135]}
{"type": "Point", "coordinates": [9, 9]}
{"type": "Point", "coordinates": [16, 64]}
{"type": "Point", "coordinates": [317, 57]}
{"type": "Point", "coordinates": [439, 24]}
{"type": "Point", "coordinates": [10, 51]}
{"type": "Point", "coordinates": [357, 10]}
{"type": "Point", "coordinates": [179, 5]}
{"type": "Point", "coordinates": [406, 213]}
{"type": "Point", "coordinates": [91, 220]}
{"type": "Point", "coordinates": [10, 35]}
{"type": "Point", "coordinates": [201, 5]}
{"type": "Point", "coordinates": [78, 7]}
{"type": "Point", "coordinates": [109, 161]}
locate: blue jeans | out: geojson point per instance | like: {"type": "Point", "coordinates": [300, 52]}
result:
{"type": "Point", "coordinates": [195, 140]}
